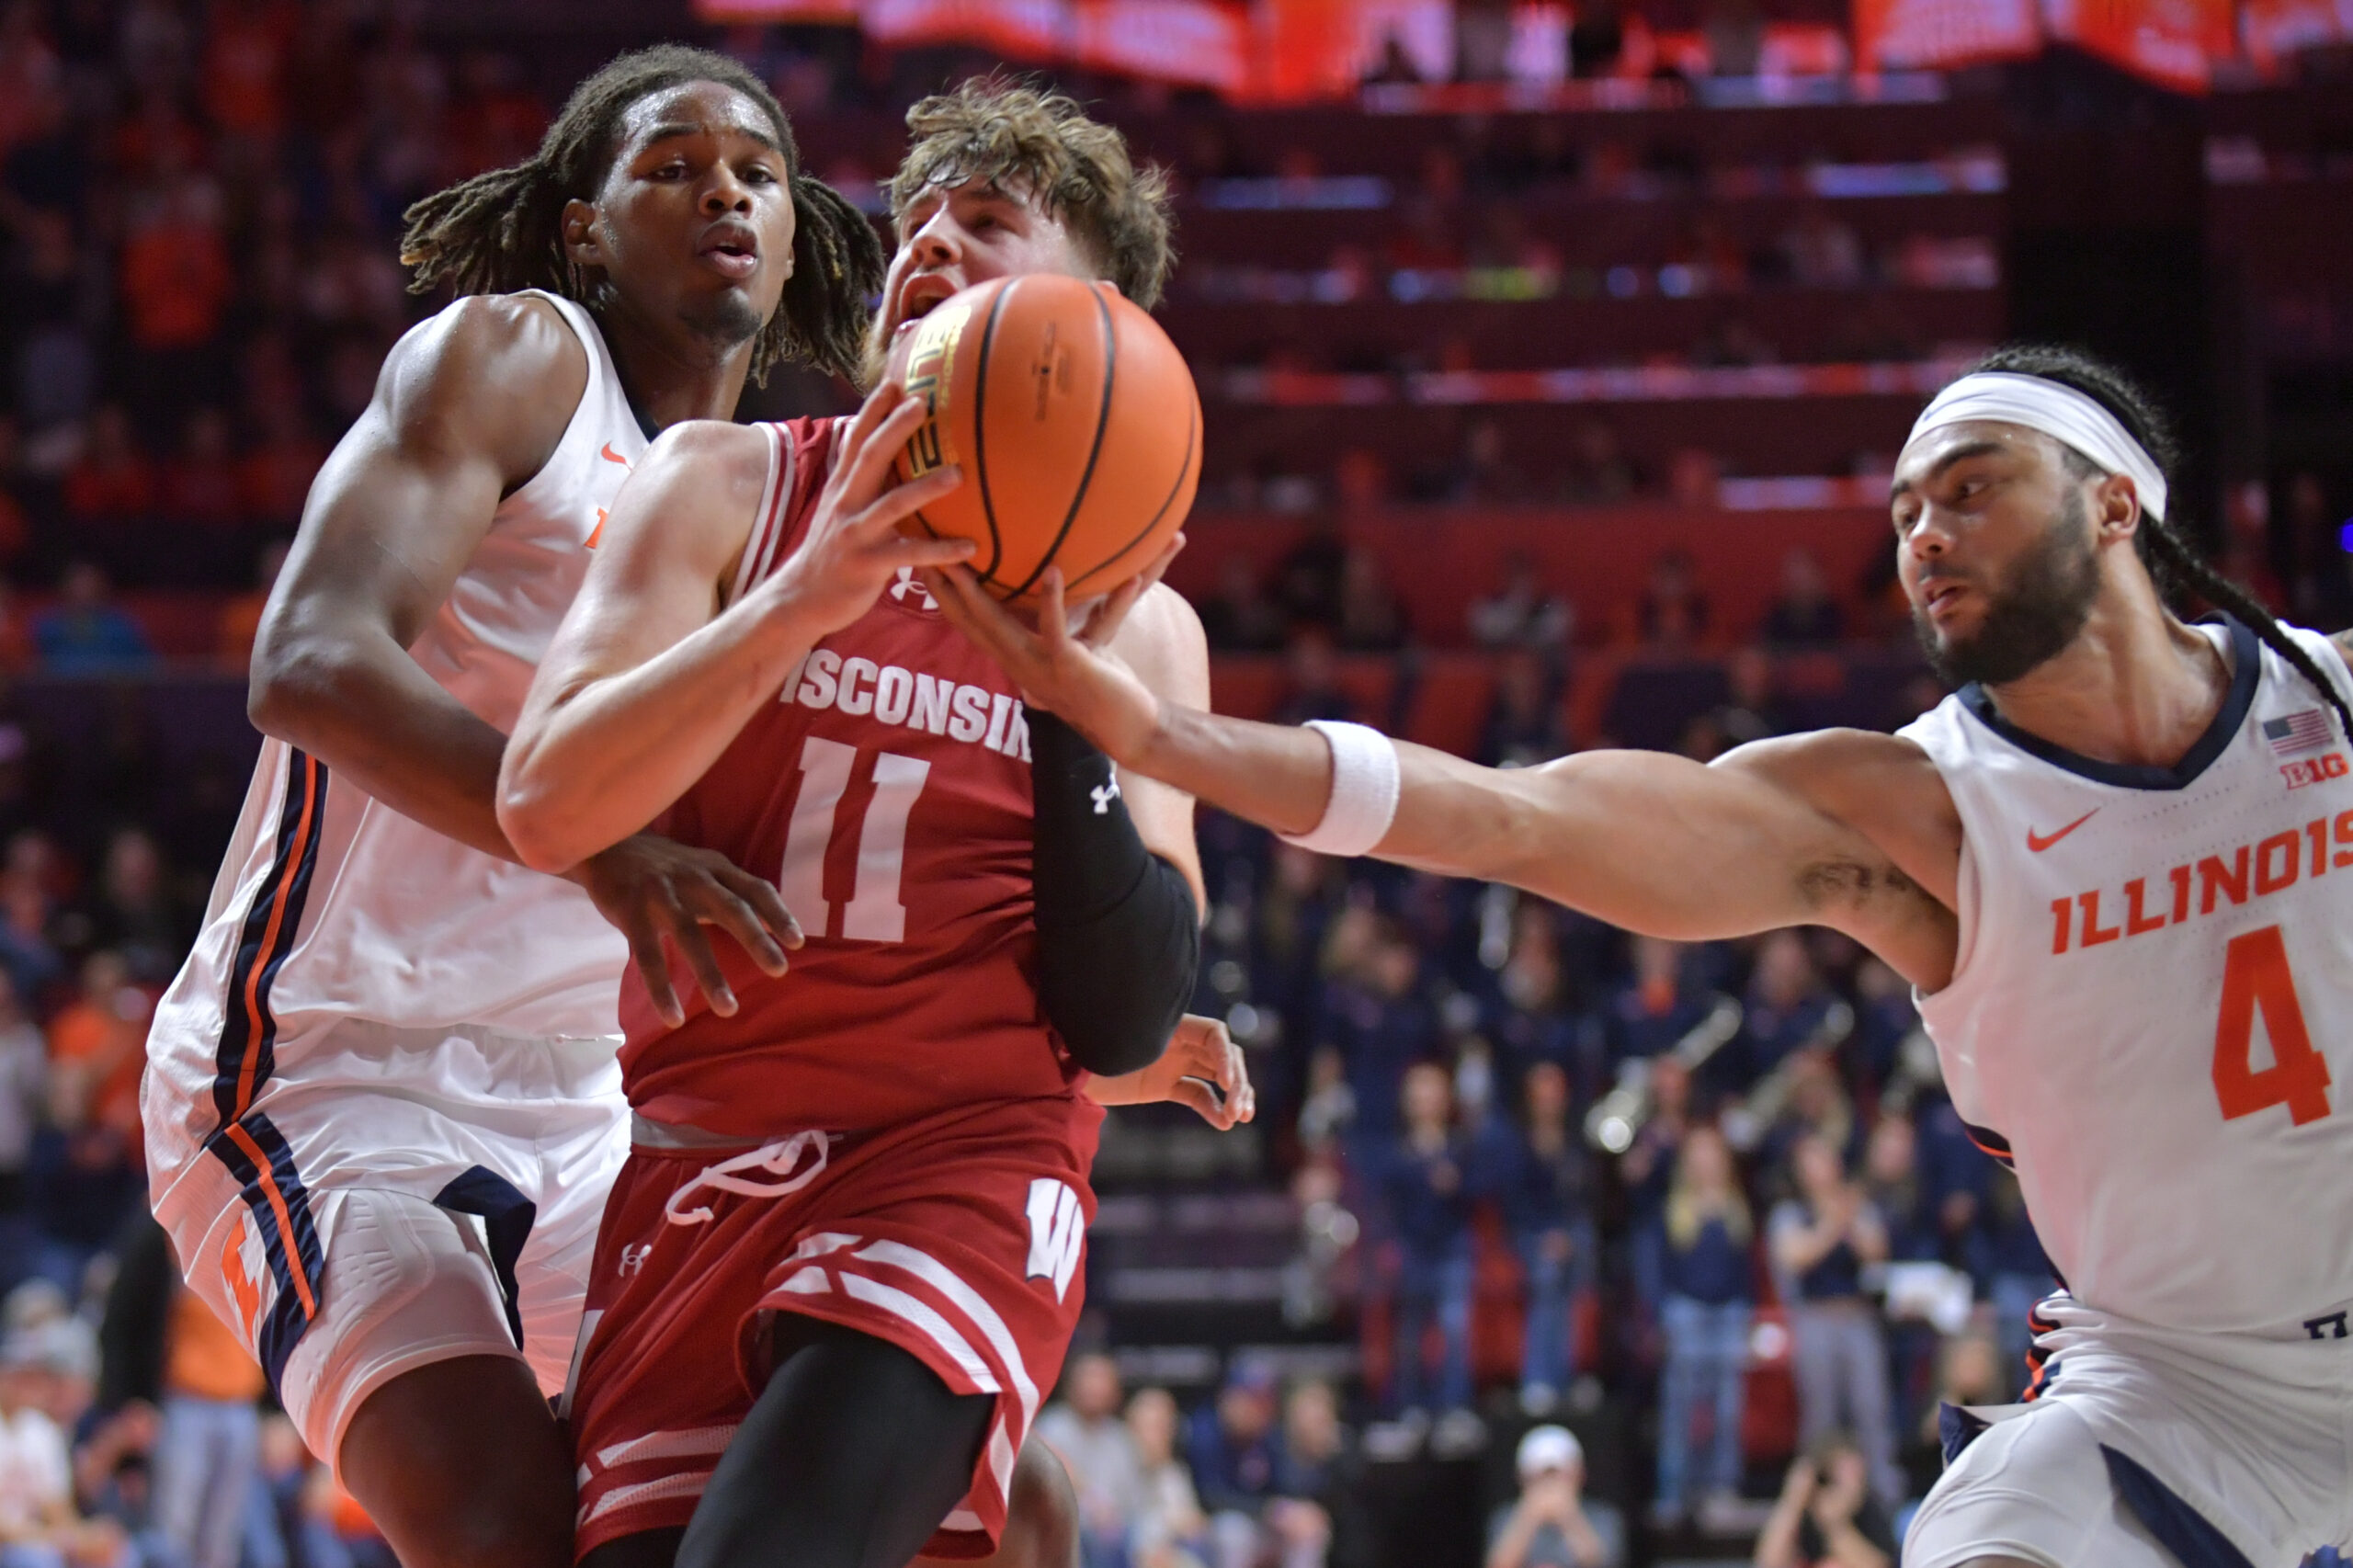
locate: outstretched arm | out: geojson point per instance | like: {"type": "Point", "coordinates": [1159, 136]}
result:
{"type": "Point", "coordinates": [1655, 843]}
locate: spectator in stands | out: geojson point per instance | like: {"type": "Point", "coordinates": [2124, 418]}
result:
{"type": "Point", "coordinates": [87, 632]}
{"type": "Point", "coordinates": [111, 481]}
{"type": "Point", "coordinates": [1169, 1530]}
{"type": "Point", "coordinates": [176, 282]}
{"type": "Point", "coordinates": [97, 1047]}
{"type": "Point", "coordinates": [1372, 620]}
{"type": "Point", "coordinates": [1085, 1429]}
{"type": "Point", "coordinates": [1828, 1513]}
{"type": "Point", "coordinates": [1485, 475]}
{"type": "Point", "coordinates": [1672, 613]}
{"type": "Point", "coordinates": [1234, 1448]}
{"type": "Point", "coordinates": [1522, 612]}
{"type": "Point", "coordinates": [1428, 1182]}
{"type": "Point", "coordinates": [1547, 1201]}
{"type": "Point", "coordinates": [44, 1387]}
{"type": "Point", "coordinates": [1551, 1523]}
{"type": "Point", "coordinates": [32, 963]}
{"type": "Point", "coordinates": [1893, 1184]}
{"type": "Point", "coordinates": [1535, 1015]}
{"type": "Point", "coordinates": [1803, 615]}
{"type": "Point", "coordinates": [133, 910]}
{"type": "Point", "coordinates": [201, 485]}
{"type": "Point", "coordinates": [1663, 1001]}
{"type": "Point", "coordinates": [1748, 712]}
{"type": "Point", "coordinates": [207, 1455]}
{"type": "Point", "coordinates": [1693, 1270]}
{"type": "Point", "coordinates": [1821, 1239]}
{"type": "Point", "coordinates": [1377, 1017]}
{"type": "Point", "coordinates": [1787, 1010]}
{"type": "Point", "coordinates": [1314, 1519]}
{"type": "Point", "coordinates": [1598, 473]}
{"type": "Point", "coordinates": [1307, 578]}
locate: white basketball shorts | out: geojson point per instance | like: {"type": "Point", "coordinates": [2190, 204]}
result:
{"type": "Point", "coordinates": [397, 1197]}
{"type": "Point", "coordinates": [2150, 1449]}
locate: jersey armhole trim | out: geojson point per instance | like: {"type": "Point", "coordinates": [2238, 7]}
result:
{"type": "Point", "coordinates": [760, 545]}
{"type": "Point", "coordinates": [584, 329]}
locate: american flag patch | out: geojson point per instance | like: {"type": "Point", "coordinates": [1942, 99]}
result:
{"type": "Point", "coordinates": [2307, 731]}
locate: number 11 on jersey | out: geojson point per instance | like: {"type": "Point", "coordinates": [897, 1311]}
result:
{"type": "Point", "coordinates": [874, 913]}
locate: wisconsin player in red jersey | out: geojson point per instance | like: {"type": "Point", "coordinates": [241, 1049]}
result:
{"type": "Point", "coordinates": [842, 1265]}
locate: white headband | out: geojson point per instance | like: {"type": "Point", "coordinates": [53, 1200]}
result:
{"type": "Point", "coordinates": [2061, 412]}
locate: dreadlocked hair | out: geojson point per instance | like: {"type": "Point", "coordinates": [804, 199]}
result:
{"type": "Point", "coordinates": [993, 131]}
{"type": "Point", "coordinates": [2173, 560]}
{"type": "Point", "coordinates": [503, 231]}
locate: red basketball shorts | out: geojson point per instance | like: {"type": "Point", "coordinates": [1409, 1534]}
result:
{"type": "Point", "coordinates": [958, 1238]}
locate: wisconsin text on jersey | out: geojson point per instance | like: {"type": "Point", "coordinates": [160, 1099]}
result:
{"type": "Point", "coordinates": [2251, 872]}
{"type": "Point", "coordinates": [891, 695]}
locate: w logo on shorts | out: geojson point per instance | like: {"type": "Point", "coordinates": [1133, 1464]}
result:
{"type": "Point", "coordinates": [1057, 1232]}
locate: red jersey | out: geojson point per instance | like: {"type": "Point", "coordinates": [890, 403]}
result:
{"type": "Point", "coordinates": [886, 790]}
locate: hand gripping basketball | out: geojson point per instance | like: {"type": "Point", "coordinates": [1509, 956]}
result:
{"type": "Point", "coordinates": [855, 548]}
{"type": "Point", "coordinates": [1072, 676]}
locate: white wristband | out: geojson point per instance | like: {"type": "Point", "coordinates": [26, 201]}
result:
{"type": "Point", "coordinates": [1364, 791]}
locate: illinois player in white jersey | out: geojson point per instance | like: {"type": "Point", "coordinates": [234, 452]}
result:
{"type": "Point", "coordinates": [2118, 867]}
{"type": "Point", "coordinates": [383, 1110]}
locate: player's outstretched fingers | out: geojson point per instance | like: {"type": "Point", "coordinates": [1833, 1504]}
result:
{"type": "Point", "coordinates": [1199, 1098]}
{"type": "Point", "coordinates": [1104, 624]}
{"type": "Point", "coordinates": [973, 611]}
{"type": "Point", "coordinates": [767, 903]}
{"type": "Point", "coordinates": [653, 966]}
{"type": "Point", "coordinates": [716, 903]}
{"type": "Point", "coordinates": [694, 945]}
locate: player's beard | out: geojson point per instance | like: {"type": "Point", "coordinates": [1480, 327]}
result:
{"type": "Point", "coordinates": [726, 321]}
{"type": "Point", "coordinates": [2039, 608]}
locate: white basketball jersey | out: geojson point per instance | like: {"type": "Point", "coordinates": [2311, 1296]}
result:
{"type": "Point", "coordinates": [331, 903]}
{"type": "Point", "coordinates": [2152, 1015]}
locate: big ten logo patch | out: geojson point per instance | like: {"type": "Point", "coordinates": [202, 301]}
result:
{"type": "Point", "coordinates": [931, 366]}
{"type": "Point", "coordinates": [1057, 1232]}
{"type": "Point", "coordinates": [244, 1271]}
{"type": "Point", "coordinates": [2312, 770]}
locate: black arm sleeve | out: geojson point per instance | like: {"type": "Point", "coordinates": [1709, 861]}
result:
{"type": "Point", "coordinates": [1119, 934]}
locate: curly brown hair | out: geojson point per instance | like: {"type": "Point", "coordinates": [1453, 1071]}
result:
{"type": "Point", "coordinates": [1027, 138]}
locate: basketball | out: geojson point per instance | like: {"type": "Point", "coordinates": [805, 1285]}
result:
{"type": "Point", "coordinates": [1075, 420]}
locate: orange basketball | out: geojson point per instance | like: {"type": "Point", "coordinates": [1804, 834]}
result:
{"type": "Point", "coordinates": [1074, 421]}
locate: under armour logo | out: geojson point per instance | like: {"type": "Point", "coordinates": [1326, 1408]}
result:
{"type": "Point", "coordinates": [2334, 1323]}
{"type": "Point", "coordinates": [1103, 795]}
{"type": "Point", "coordinates": [908, 584]}
{"type": "Point", "coordinates": [634, 1257]}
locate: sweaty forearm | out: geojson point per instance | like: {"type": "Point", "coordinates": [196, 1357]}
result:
{"type": "Point", "coordinates": [362, 706]}
{"type": "Point", "coordinates": [595, 759]}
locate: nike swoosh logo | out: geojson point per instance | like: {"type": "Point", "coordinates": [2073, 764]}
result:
{"type": "Point", "coordinates": [611, 456]}
{"type": "Point", "coordinates": [2037, 842]}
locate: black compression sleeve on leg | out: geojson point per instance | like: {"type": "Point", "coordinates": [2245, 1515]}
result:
{"type": "Point", "coordinates": [1119, 934]}
{"type": "Point", "coordinates": [852, 1455]}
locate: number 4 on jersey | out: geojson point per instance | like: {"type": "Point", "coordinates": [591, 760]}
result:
{"type": "Point", "coordinates": [2256, 979]}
